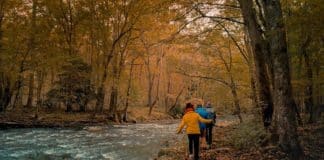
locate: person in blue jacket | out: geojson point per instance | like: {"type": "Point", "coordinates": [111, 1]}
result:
{"type": "Point", "coordinates": [204, 114]}
{"type": "Point", "coordinates": [211, 115]}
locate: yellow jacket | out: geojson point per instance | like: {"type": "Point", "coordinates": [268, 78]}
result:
{"type": "Point", "coordinates": [191, 119]}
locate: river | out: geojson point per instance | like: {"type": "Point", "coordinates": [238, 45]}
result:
{"type": "Point", "coordinates": [118, 142]}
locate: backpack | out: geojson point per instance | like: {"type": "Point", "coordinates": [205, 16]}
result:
{"type": "Point", "coordinates": [202, 113]}
{"type": "Point", "coordinates": [210, 113]}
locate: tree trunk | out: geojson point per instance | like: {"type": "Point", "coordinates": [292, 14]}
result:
{"type": "Point", "coordinates": [253, 85]}
{"type": "Point", "coordinates": [31, 47]}
{"type": "Point", "coordinates": [40, 83]}
{"type": "Point", "coordinates": [113, 100]}
{"type": "Point", "coordinates": [151, 78]}
{"type": "Point", "coordinates": [254, 93]}
{"type": "Point", "coordinates": [113, 103]}
{"type": "Point", "coordinates": [283, 100]}
{"type": "Point", "coordinates": [2, 93]}
{"type": "Point", "coordinates": [114, 91]}
{"type": "Point", "coordinates": [176, 101]}
{"type": "Point", "coordinates": [82, 104]}
{"type": "Point", "coordinates": [157, 97]}
{"type": "Point", "coordinates": [149, 95]}
{"type": "Point", "coordinates": [100, 99]}
{"type": "Point", "coordinates": [158, 65]}
{"type": "Point", "coordinates": [117, 70]}
{"type": "Point", "coordinates": [30, 91]}
{"type": "Point", "coordinates": [2, 8]}
{"type": "Point", "coordinates": [259, 51]}
{"type": "Point", "coordinates": [101, 92]}
{"type": "Point", "coordinates": [166, 100]}
{"type": "Point", "coordinates": [309, 87]}
{"type": "Point", "coordinates": [68, 107]}
{"type": "Point", "coordinates": [129, 86]}
{"type": "Point", "coordinates": [18, 97]}
{"type": "Point", "coordinates": [52, 70]}
{"type": "Point", "coordinates": [236, 100]}
{"type": "Point", "coordinates": [114, 87]}
{"type": "Point", "coordinates": [231, 84]}
{"type": "Point", "coordinates": [5, 92]}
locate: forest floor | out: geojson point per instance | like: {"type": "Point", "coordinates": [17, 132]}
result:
{"type": "Point", "coordinates": [233, 141]}
{"type": "Point", "coordinates": [25, 118]}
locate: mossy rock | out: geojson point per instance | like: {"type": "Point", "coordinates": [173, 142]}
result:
{"type": "Point", "coordinates": [166, 152]}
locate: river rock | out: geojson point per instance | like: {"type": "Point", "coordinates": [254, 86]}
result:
{"type": "Point", "coordinates": [164, 152]}
{"type": "Point", "coordinates": [222, 149]}
{"type": "Point", "coordinates": [94, 128]}
{"type": "Point", "coordinates": [131, 119]}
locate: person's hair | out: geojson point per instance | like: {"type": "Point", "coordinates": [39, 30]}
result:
{"type": "Point", "coordinates": [189, 105]}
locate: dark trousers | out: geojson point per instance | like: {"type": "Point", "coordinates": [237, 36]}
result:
{"type": "Point", "coordinates": [194, 145]}
{"type": "Point", "coordinates": [209, 134]}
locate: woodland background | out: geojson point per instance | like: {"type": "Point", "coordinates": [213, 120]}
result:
{"type": "Point", "coordinates": [106, 56]}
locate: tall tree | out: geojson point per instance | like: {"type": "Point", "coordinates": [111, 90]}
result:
{"type": "Point", "coordinates": [260, 51]}
{"type": "Point", "coordinates": [32, 46]}
{"type": "Point", "coordinates": [125, 16]}
{"type": "Point", "coordinates": [5, 86]}
{"type": "Point", "coordinates": [286, 126]}
{"type": "Point", "coordinates": [303, 45]}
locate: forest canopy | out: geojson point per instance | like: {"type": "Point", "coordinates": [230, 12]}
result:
{"type": "Point", "coordinates": [105, 56]}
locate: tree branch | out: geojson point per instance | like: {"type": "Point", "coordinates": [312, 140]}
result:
{"type": "Point", "coordinates": [202, 14]}
{"type": "Point", "coordinates": [205, 77]}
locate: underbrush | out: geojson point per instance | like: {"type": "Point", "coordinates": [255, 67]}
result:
{"type": "Point", "coordinates": [247, 135]}
{"type": "Point", "coordinates": [176, 112]}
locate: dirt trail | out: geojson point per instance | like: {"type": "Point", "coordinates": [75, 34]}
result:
{"type": "Point", "coordinates": [311, 136]}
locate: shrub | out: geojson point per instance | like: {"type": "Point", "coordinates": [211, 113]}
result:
{"type": "Point", "coordinates": [176, 111]}
{"type": "Point", "coordinates": [73, 86]}
{"type": "Point", "coordinates": [248, 134]}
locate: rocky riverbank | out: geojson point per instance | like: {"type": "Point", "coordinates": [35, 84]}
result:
{"type": "Point", "coordinates": [47, 119]}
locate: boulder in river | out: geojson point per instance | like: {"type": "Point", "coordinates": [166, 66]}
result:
{"type": "Point", "coordinates": [94, 129]}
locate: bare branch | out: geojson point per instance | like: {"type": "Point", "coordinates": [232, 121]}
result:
{"type": "Point", "coordinates": [220, 5]}
{"type": "Point", "coordinates": [221, 81]}
{"type": "Point", "coordinates": [243, 53]}
{"type": "Point", "coordinates": [230, 19]}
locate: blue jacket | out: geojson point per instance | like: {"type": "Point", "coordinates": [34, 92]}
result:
{"type": "Point", "coordinates": [203, 113]}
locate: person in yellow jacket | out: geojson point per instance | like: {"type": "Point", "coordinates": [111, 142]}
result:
{"type": "Point", "coordinates": [191, 120]}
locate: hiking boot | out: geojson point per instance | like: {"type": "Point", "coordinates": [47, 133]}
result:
{"type": "Point", "coordinates": [191, 156]}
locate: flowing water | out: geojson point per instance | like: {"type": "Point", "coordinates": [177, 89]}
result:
{"type": "Point", "coordinates": [119, 142]}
